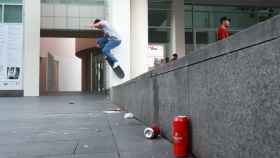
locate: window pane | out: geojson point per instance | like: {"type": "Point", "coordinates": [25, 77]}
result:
{"type": "Point", "coordinates": [189, 37]}
{"type": "Point", "coordinates": [11, 1]}
{"type": "Point", "coordinates": [79, 2]}
{"type": "Point", "coordinates": [0, 13]}
{"type": "Point", "coordinates": [159, 18]}
{"type": "Point", "coordinates": [159, 4]}
{"type": "Point", "coordinates": [202, 37]}
{"type": "Point", "coordinates": [188, 19]}
{"type": "Point", "coordinates": [159, 35]}
{"type": "Point", "coordinates": [13, 14]}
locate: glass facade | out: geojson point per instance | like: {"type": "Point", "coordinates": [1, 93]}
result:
{"type": "Point", "coordinates": [159, 23]}
{"type": "Point", "coordinates": [70, 14]}
{"type": "Point", "coordinates": [11, 11]}
{"type": "Point", "coordinates": [201, 22]}
{"type": "Point", "coordinates": [11, 1]}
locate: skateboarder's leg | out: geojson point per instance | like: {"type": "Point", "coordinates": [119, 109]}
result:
{"type": "Point", "coordinates": [101, 41]}
{"type": "Point", "coordinates": [109, 60]}
{"type": "Point", "coordinates": [111, 44]}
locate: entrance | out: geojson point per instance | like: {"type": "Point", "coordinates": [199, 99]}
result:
{"type": "Point", "coordinates": [60, 69]}
{"type": "Point", "coordinates": [71, 62]}
{"type": "Point", "coordinates": [93, 70]}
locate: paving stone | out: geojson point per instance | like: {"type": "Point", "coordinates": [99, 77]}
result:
{"type": "Point", "coordinates": [50, 127]}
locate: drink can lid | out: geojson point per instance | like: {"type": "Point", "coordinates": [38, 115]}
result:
{"type": "Point", "coordinates": [149, 133]}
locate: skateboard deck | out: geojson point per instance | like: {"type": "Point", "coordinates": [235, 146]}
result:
{"type": "Point", "coordinates": [118, 71]}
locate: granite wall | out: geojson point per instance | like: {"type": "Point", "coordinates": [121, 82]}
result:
{"type": "Point", "coordinates": [229, 89]}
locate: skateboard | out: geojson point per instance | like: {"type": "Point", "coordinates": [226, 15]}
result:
{"type": "Point", "coordinates": [118, 71]}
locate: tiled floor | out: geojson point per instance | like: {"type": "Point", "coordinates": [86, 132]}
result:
{"type": "Point", "coordinates": [50, 127]}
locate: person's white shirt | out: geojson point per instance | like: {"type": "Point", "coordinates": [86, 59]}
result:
{"type": "Point", "coordinates": [108, 30]}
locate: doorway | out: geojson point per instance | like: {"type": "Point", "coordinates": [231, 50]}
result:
{"type": "Point", "coordinates": [93, 70]}
{"type": "Point", "coordinates": [60, 69]}
{"type": "Point", "coordinates": [71, 63]}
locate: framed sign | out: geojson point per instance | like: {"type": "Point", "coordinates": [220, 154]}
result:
{"type": "Point", "coordinates": [155, 54]}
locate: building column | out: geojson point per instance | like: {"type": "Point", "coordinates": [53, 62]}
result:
{"type": "Point", "coordinates": [31, 63]}
{"type": "Point", "coordinates": [177, 34]}
{"type": "Point", "coordinates": [139, 37]}
{"type": "Point", "coordinates": [119, 17]}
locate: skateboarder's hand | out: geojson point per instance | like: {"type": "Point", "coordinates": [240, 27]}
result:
{"type": "Point", "coordinates": [98, 46]}
{"type": "Point", "coordinates": [91, 25]}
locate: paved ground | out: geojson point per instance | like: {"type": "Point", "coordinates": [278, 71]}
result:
{"type": "Point", "coordinates": [50, 127]}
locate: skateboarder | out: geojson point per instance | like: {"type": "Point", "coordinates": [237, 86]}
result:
{"type": "Point", "coordinates": [109, 41]}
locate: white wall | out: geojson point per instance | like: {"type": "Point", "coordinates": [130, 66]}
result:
{"type": "Point", "coordinates": [31, 64]}
{"type": "Point", "coordinates": [130, 20]}
{"type": "Point", "coordinates": [119, 18]}
{"type": "Point", "coordinates": [139, 37]}
{"type": "Point", "coordinates": [64, 49]}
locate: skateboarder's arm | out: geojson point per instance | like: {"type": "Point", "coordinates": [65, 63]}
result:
{"type": "Point", "coordinates": [96, 25]}
{"type": "Point", "coordinates": [92, 25]}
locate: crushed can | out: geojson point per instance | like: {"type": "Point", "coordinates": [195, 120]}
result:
{"type": "Point", "coordinates": [152, 132]}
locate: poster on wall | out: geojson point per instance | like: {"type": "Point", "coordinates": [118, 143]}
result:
{"type": "Point", "coordinates": [11, 51]}
{"type": "Point", "coordinates": [155, 54]}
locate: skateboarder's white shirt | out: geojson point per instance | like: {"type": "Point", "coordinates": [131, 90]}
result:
{"type": "Point", "coordinates": [109, 31]}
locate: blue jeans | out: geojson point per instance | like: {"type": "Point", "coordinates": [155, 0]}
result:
{"type": "Point", "coordinates": [107, 44]}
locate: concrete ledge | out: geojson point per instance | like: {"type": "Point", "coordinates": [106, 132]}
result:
{"type": "Point", "coordinates": [255, 35]}
{"type": "Point", "coordinates": [229, 89]}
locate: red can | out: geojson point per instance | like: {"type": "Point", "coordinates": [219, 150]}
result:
{"type": "Point", "coordinates": [180, 134]}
